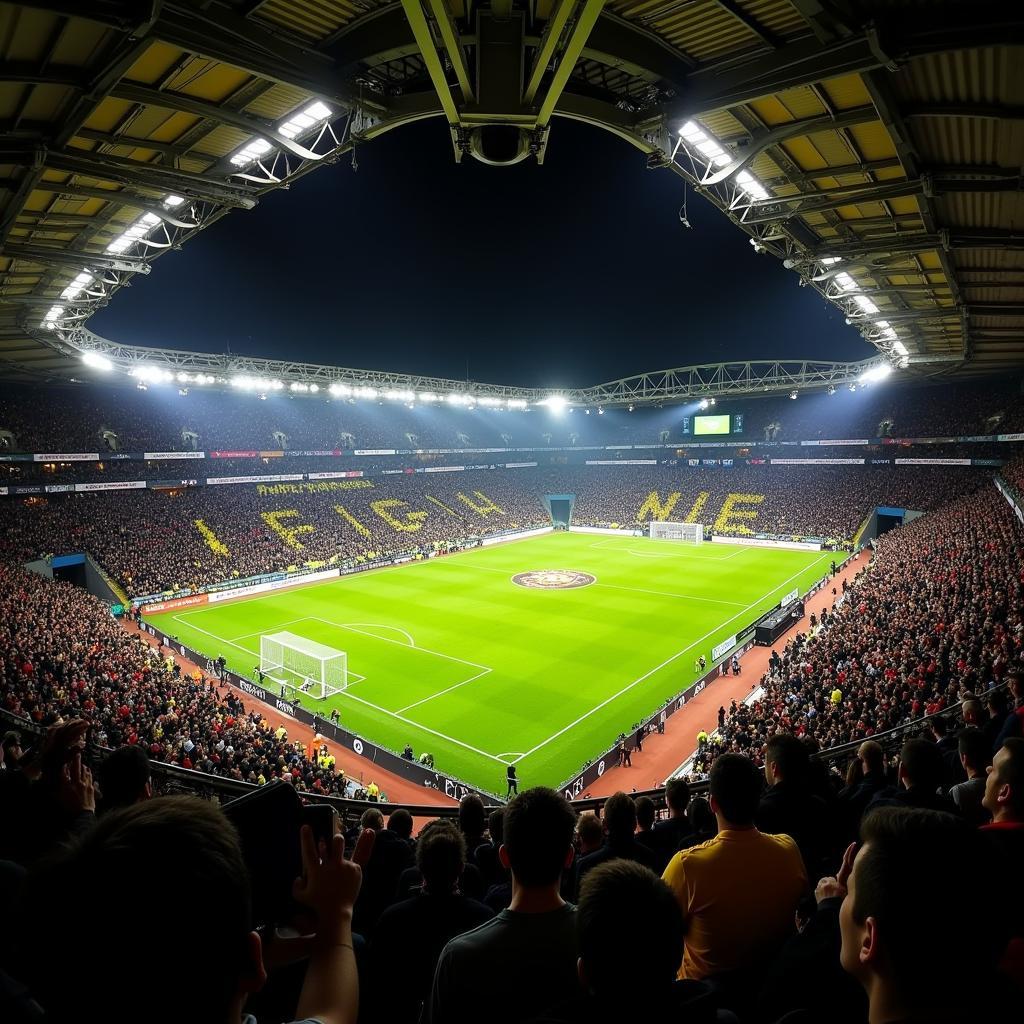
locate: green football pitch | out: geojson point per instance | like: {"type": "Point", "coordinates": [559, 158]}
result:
{"type": "Point", "coordinates": [455, 658]}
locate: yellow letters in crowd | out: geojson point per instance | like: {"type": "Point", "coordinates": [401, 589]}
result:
{"type": "Point", "coordinates": [727, 518]}
{"type": "Point", "coordinates": [289, 534]}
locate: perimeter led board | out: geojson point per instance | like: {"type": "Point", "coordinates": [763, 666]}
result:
{"type": "Point", "coordinates": [711, 424]}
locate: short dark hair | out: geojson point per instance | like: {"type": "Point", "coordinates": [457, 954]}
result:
{"type": "Point", "coordinates": [371, 818]}
{"type": "Point", "coordinates": [622, 891]}
{"type": "Point", "coordinates": [400, 822]}
{"type": "Point", "coordinates": [539, 825]}
{"type": "Point", "coordinates": [180, 841]}
{"type": "Point", "coordinates": [791, 756]}
{"type": "Point", "coordinates": [496, 825]}
{"type": "Point", "coordinates": [677, 794]}
{"type": "Point", "coordinates": [975, 747]}
{"type": "Point", "coordinates": [1012, 771]}
{"type": "Point", "coordinates": [938, 725]}
{"type": "Point", "coordinates": [922, 764]}
{"type": "Point", "coordinates": [908, 856]}
{"type": "Point", "coordinates": [472, 815]}
{"type": "Point", "coordinates": [645, 811]}
{"type": "Point", "coordinates": [589, 827]}
{"type": "Point", "coordinates": [441, 855]}
{"type": "Point", "coordinates": [700, 815]}
{"type": "Point", "coordinates": [123, 777]}
{"type": "Point", "coordinates": [735, 787]}
{"type": "Point", "coordinates": [619, 815]}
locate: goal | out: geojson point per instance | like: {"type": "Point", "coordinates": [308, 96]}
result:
{"type": "Point", "coordinates": [691, 533]}
{"type": "Point", "coordinates": [303, 665]}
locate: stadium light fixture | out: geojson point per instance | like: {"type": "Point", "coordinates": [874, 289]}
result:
{"type": "Point", "coordinates": [865, 304]}
{"type": "Point", "coordinates": [698, 139]}
{"type": "Point", "coordinates": [600, 411]}
{"type": "Point", "coordinates": [831, 389]}
{"type": "Point", "coordinates": [876, 374]}
{"type": "Point", "coordinates": [517, 403]}
{"type": "Point", "coordinates": [296, 386]}
{"type": "Point", "coordinates": [703, 403]}
{"type": "Point", "coordinates": [339, 390]}
{"type": "Point", "coordinates": [555, 403]}
{"type": "Point", "coordinates": [96, 361]}
{"type": "Point", "coordinates": [77, 286]}
{"type": "Point", "coordinates": [900, 348]}
{"type": "Point", "coordinates": [427, 396]}
{"type": "Point", "coordinates": [152, 374]}
{"type": "Point", "coordinates": [370, 393]}
{"type": "Point", "coordinates": [53, 314]}
{"type": "Point", "coordinates": [845, 282]}
{"type": "Point", "coordinates": [172, 201]}
{"type": "Point", "coordinates": [794, 395]}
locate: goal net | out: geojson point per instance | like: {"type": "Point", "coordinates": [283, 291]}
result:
{"type": "Point", "coordinates": [303, 665]}
{"type": "Point", "coordinates": [692, 533]}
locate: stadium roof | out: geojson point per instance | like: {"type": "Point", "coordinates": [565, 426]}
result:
{"type": "Point", "coordinates": [876, 146]}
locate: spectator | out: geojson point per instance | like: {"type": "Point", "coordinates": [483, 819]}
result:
{"type": "Point", "coordinates": [967, 796]}
{"type": "Point", "coordinates": [487, 852]}
{"type": "Point", "coordinates": [645, 815]}
{"type": "Point", "coordinates": [854, 799]}
{"type": "Point", "coordinates": [1013, 725]}
{"type": "Point", "coordinates": [672, 832]}
{"type": "Point", "coordinates": [473, 823]}
{"type": "Point", "coordinates": [411, 934]}
{"type": "Point", "coordinates": [1004, 797]}
{"type": "Point", "coordinates": [895, 933]}
{"type": "Point", "coordinates": [207, 945]}
{"type": "Point", "coordinates": [392, 854]}
{"type": "Point", "coordinates": [788, 807]}
{"type": "Point", "coordinates": [535, 938]}
{"type": "Point", "coordinates": [124, 779]}
{"type": "Point", "coordinates": [919, 777]}
{"type": "Point", "coordinates": [619, 820]}
{"type": "Point", "coordinates": [702, 821]}
{"type": "Point", "coordinates": [739, 891]}
{"type": "Point", "coordinates": [613, 893]}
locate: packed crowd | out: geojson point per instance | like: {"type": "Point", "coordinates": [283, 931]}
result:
{"type": "Point", "coordinates": [719, 913]}
{"type": "Point", "coordinates": [938, 614]}
{"type": "Point", "coordinates": [156, 541]}
{"type": "Point", "coordinates": [101, 419]}
{"type": "Point", "coordinates": [63, 657]}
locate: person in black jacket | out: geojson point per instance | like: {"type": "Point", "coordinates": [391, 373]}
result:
{"type": "Point", "coordinates": [392, 854]}
{"type": "Point", "coordinates": [919, 775]}
{"type": "Point", "coordinates": [619, 818]}
{"type": "Point", "coordinates": [854, 798]}
{"type": "Point", "coordinates": [670, 833]}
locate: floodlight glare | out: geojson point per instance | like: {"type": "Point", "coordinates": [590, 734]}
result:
{"type": "Point", "coordinates": [794, 395]}
{"type": "Point", "coordinates": [900, 348]}
{"type": "Point", "coordinates": [703, 403]}
{"type": "Point", "coordinates": [876, 374]}
{"type": "Point", "coordinates": [556, 403]}
{"type": "Point", "coordinates": [96, 361]}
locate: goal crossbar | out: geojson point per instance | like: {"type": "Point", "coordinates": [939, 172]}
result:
{"type": "Point", "coordinates": [303, 664]}
{"type": "Point", "coordinates": [692, 533]}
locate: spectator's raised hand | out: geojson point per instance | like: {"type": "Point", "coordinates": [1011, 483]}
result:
{"type": "Point", "coordinates": [77, 791]}
{"type": "Point", "coordinates": [329, 886]}
{"type": "Point", "coordinates": [833, 886]}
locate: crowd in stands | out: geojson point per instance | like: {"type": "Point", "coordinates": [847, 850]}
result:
{"type": "Point", "coordinates": [64, 659]}
{"type": "Point", "coordinates": [152, 541]}
{"type": "Point", "coordinates": [104, 419]}
{"type": "Point", "coordinates": [938, 614]}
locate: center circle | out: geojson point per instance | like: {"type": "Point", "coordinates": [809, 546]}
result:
{"type": "Point", "coordinates": [554, 579]}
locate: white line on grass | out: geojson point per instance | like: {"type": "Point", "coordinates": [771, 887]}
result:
{"type": "Point", "coordinates": [664, 554]}
{"type": "Point", "coordinates": [268, 629]}
{"type": "Point", "coordinates": [667, 661]}
{"type": "Point", "coordinates": [440, 693]}
{"type": "Point", "coordinates": [665, 593]}
{"type": "Point", "coordinates": [381, 625]}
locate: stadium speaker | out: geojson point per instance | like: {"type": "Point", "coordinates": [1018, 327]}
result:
{"type": "Point", "coordinates": [499, 145]}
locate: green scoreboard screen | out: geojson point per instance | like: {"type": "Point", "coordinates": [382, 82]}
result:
{"type": "Point", "coordinates": [711, 424]}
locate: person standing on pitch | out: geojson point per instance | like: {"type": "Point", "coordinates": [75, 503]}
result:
{"type": "Point", "coordinates": [513, 782]}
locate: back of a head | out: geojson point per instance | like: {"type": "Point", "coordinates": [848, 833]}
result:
{"type": "Point", "coordinates": [622, 891]}
{"type": "Point", "coordinates": [123, 777]}
{"type": "Point", "coordinates": [400, 822]}
{"type": "Point", "coordinates": [441, 856]}
{"type": "Point", "coordinates": [908, 856]}
{"type": "Point", "coordinates": [539, 826]}
{"type": "Point", "coordinates": [619, 816]}
{"type": "Point", "coordinates": [179, 853]}
{"type": "Point", "coordinates": [974, 745]}
{"type": "Point", "coordinates": [701, 817]}
{"type": "Point", "coordinates": [372, 818]}
{"type": "Point", "coordinates": [921, 762]}
{"type": "Point", "coordinates": [677, 795]}
{"type": "Point", "coordinates": [790, 756]}
{"type": "Point", "coordinates": [590, 829]}
{"type": "Point", "coordinates": [496, 825]}
{"type": "Point", "coordinates": [472, 816]}
{"type": "Point", "coordinates": [735, 787]}
{"type": "Point", "coordinates": [870, 751]}
{"type": "Point", "coordinates": [645, 812]}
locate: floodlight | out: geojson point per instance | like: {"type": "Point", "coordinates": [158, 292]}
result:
{"type": "Point", "coordinates": [173, 201]}
{"type": "Point", "coordinates": [427, 396]}
{"type": "Point", "coordinates": [556, 403]}
{"type": "Point", "coordinates": [794, 395]}
{"type": "Point", "coordinates": [96, 361]}
{"type": "Point", "coordinates": [900, 348]}
{"type": "Point", "coordinates": [314, 388]}
{"type": "Point", "coordinates": [831, 390]}
{"type": "Point", "coordinates": [600, 411]}
{"type": "Point", "coordinates": [876, 374]}
{"type": "Point", "coordinates": [703, 403]}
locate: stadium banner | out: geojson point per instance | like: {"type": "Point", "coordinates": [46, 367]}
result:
{"type": "Point", "coordinates": [725, 645]}
{"type": "Point", "coordinates": [117, 485]}
{"type": "Point", "coordinates": [16, 458]}
{"type": "Point", "coordinates": [765, 542]}
{"type": "Point", "coordinates": [519, 465]}
{"type": "Point", "coordinates": [241, 454]}
{"type": "Point", "coordinates": [67, 457]}
{"type": "Point", "coordinates": [444, 469]}
{"type": "Point", "coordinates": [167, 456]}
{"type": "Point", "coordinates": [858, 440]}
{"type": "Point", "coordinates": [172, 604]}
{"type": "Point", "coordinates": [517, 535]}
{"type": "Point", "coordinates": [376, 451]}
{"type": "Point", "coordinates": [263, 588]}
{"type": "Point", "coordinates": [817, 462]}
{"type": "Point", "coordinates": [608, 531]}
{"type": "Point", "coordinates": [25, 489]}
{"type": "Point", "coordinates": [385, 759]}
{"type": "Point", "coordinates": [790, 597]}
{"type": "Point", "coordinates": [278, 478]}
{"type": "Point", "coordinates": [933, 462]}
{"type": "Point", "coordinates": [58, 488]}
{"type": "Point", "coordinates": [1010, 437]}
{"type": "Point", "coordinates": [986, 462]}
{"type": "Point", "coordinates": [275, 453]}
{"type": "Point", "coordinates": [622, 462]}
{"type": "Point", "coordinates": [156, 485]}
{"type": "Point", "coordinates": [340, 475]}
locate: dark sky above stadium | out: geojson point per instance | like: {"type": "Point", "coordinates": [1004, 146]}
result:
{"type": "Point", "coordinates": [567, 274]}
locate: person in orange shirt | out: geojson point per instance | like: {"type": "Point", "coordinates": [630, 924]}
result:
{"type": "Point", "coordinates": [738, 891]}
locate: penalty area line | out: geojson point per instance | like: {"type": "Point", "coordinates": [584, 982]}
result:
{"type": "Point", "coordinates": [667, 661]}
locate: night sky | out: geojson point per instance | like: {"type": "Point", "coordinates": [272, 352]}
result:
{"type": "Point", "coordinates": [568, 274]}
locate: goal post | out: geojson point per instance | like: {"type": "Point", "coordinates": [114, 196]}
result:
{"type": "Point", "coordinates": [689, 533]}
{"type": "Point", "coordinates": [303, 665]}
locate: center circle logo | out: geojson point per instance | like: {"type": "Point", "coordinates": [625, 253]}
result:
{"type": "Point", "coordinates": [554, 579]}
